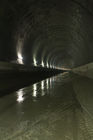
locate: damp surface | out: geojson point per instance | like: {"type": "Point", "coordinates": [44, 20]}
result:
{"type": "Point", "coordinates": [57, 108]}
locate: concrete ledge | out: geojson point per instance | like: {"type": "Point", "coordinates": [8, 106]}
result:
{"type": "Point", "coordinates": [85, 70]}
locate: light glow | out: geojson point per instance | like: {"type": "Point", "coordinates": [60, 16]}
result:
{"type": "Point", "coordinates": [20, 58]}
{"type": "Point", "coordinates": [34, 90]}
{"type": "Point", "coordinates": [42, 88]}
{"type": "Point", "coordinates": [42, 85]}
{"type": "Point", "coordinates": [20, 97]}
{"type": "Point", "coordinates": [35, 62]}
{"type": "Point", "coordinates": [47, 83]}
{"type": "Point", "coordinates": [47, 65]}
{"type": "Point", "coordinates": [42, 64]}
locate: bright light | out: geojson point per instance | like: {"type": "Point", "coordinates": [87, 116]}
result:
{"type": "Point", "coordinates": [47, 65]}
{"type": "Point", "coordinates": [20, 97]}
{"type": "Point", "coordinates": [20, 61]}
{"type": "Point", "coordinates": [34, 90]}
{"type": "Point", "coordinates": [47, 83]}
{"type": "Point", "coordinates": [42, 64]}
{"type": "Point", "coordinates": [42, 88]}
{"type": "Point", "coordinates": [20, 58]}
{"type": "Point", "coordinates": [42, 85]}
{"type": "Point", "coordinates": [50, 81]}
{"type": "Point", "coordinates": [35, 62]}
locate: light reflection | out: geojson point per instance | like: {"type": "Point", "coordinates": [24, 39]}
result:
{"type": "Point", "coordinates": [42, 88]}
{"type": "Point", "coordinates": [20, 94]}
{"type": "Point", "coordinates": [42, 85]}
{"type": "Point", "coordinates": [50, 81]}
{"type": "Point", "coordinates": [47, 83]}
{"type": "Point", "coordinates": [34, 94]}
{"type": "Point", "coordinates": [53, 79]}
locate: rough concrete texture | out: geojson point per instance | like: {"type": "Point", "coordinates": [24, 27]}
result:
{"type": "Point", "coordinates": [53, 32]}
{"type": "Point", "coordinates": [85, 70]}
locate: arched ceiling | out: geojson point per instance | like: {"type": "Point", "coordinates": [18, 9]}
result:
{"type": "Point", "coordinates": [47, 33]}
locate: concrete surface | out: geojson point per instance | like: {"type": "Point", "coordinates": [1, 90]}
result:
{"type": "Point", "coordinates": [58, 108]}
{"type": "Point", "coordinates": [85, 70]}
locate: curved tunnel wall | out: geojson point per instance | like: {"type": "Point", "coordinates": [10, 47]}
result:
{"type": "Point", "coordinates": [47, 33]}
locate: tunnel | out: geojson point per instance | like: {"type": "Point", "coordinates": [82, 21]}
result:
{"type": "Point", "coordinates": [46, 69]}
{"type": "Point", "coordinates": [44, 33]}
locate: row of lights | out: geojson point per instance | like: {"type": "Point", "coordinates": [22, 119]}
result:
{"type": "Point", "coordinates": [20, 61]}
{"type": "Point", "coordinates": [42, 64]}
{"type": "Point", "coordinates": [20, 57]}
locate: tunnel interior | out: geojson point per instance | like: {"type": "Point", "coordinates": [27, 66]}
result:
{"type": "Point", "coordinates": [53, 34]}
{"type": "Point", "coordinates": [46, 69]}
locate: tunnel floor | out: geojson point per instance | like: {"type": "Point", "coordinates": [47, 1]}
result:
{"type": "Point", "coordinates": [57, 108]}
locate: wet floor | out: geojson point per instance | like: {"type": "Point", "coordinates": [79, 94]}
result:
{"type": "Point", "coordinates": [58, 108]}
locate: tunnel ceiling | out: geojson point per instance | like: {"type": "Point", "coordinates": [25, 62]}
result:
{"type": "Point", "coordinates": [47, 33]}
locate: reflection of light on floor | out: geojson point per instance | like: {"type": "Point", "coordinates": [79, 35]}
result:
{"type": "Point", "coordinates": [34, 94]}
{"type": "Point", "coordinates": [42, 85]}
{"type": "Point", "coordinates": [47, 83]}
{"type": "Point", "coordinates": [50, 81]}
{"type": "Point", "coordinates": [42, 88]}
{"type": "Point", "coordinates": [20, 97]}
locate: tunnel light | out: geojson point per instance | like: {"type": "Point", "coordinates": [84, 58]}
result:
{"type": "Point", "coordinates": [20, 61]}
{"type": "Point", "coordinates": [51, 66]}
{"type": "Point", "coordinates": [20, 97]}
{"type": "Point", "coordinates": [64, 68]}
{"type": "Point", "coordinates": [47, 65]}
{"type": "Point", "coordinates": [42, 64]}
{"type": "Point", "coordinates": [34, 90]}
{"type": "Point", "coordinates": [20, 58]}
{"type": "Point", "coordinates": [35, 62]}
